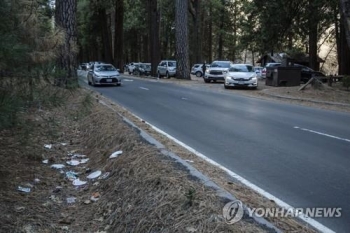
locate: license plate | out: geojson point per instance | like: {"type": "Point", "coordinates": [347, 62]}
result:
{"type": "Point", "coordinates": [109, 80]}
{"type": "Point", "coordinates": [240, 82]}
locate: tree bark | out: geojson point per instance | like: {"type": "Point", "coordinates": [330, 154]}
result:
{"type": "Point", "coordinates": [181, 31]}
{"type": "Point", "coordinates": [119, 35]}
{"type": "Point", "coordinates": [345, 13]}
{"type": "Point", "coordinates": [344, 66]}
{"type": "Point", "coordinates": [106, 39]}
{"type": "Point", "coordinates": [154, 35]}
{"type": "Point", "coordinates": [65, 18]}
{"type": "Point", "coordinates": [313, 21]}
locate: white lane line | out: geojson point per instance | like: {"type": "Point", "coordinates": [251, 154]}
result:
{"type": "Point", "coordinates": [144, 88]}
{"type": "Point", "coordinates": [323, 134]}
{"type": "Point", "coordinates": [317, 225]}
{"type": "Point", "coordinates": [128, 80]}
{"type": "Point", "coordinates": [183, 98]}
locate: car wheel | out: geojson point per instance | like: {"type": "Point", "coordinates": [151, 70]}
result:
{"type": "Point", "coordinates": [89, 83]}
{"type": "Point", "coordinates": [226, 87]}
{"type": "Point", "coordinates": [93, 82]}
{"type": "Point", "coordinates": [206, 80]}
{"type": "Point", "coordinates": [198, 74]}
{"type": "Point", "coordinates": [159, 76]}
{"type": "Point", "coordinates": [167, 75]}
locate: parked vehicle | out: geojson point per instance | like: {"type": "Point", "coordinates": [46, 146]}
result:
{"type": "Point", "coordinates": [258, 71]}
{"type": "Point", "coordinates": [83, 66]}
{"type": "Point", "coordinates": [217, 71]}
{"type": "Point", "coordinates": [307, 73]}
{"type": "Point", "coordinates": [142, 69]}
{"type": "Point", "coordinates": [103, 74]}
{"type": "Point", "coordinates": [241, 75]}
{"type": "Point", "coordinates": [131, 67]}
{"type": "Point", "coordinates": [272, 64]}
{"type": "Point", "coordinates": [166, 68]}
{"type": "Point", "coordinates": [197, 69]}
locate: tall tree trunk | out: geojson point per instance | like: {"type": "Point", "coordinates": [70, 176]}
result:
{"type": "Point", "coordinates": [313, 21]}
{"type": "Point", "coordinates": [154, 35]}
{"type": "Point", "coordinates": [181, 31]}
{"type": "Point", "coordinates": [221, 37]}
{"type": "Point", "coordinates": [106, 39]}
{"type": "Point", "coordinates": [145, 44]}
{"type": "Point", "coordinates": [210, 39]}
{"type": "Point", "coordinates": [65, 18]}
{"type": "Point", "coordinates": [195, 10]}
{"type": "Point", "coordinates": [345, 13]}
{"type": "Point", "coordinates": [344, 64]}
{"type": "Point", "coordinates": [119, 35]}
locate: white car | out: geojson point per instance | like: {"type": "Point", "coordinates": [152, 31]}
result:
{"type": "Point", "coordinates": [166, 68]}
{"type": "Point", "coordinates": [241, 75]}
{"type": "Point", "coordinates": [132, 66]}
{"type": "Point", "coordinates": [103, 74]}
{"type": "Point", "coordinates": [217, 71]}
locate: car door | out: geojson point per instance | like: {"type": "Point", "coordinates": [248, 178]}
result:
{"type": "Point", "coordinates": [162, 68]}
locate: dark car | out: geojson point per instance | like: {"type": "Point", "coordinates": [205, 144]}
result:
{"type": "Point", "coordinates": [307, 73]}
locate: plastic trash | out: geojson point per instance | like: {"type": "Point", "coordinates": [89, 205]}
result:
{"type": "Point", "coordinates": [77, 156]}
{"type": "Point", "coordinates": [36, 180]}
{"type": "Point", "coordinates": [64, 144]}
{"type": "Point", "coordinates": [48, 146]}
{"type": "Point", "coordinates": [190, 161]}
{"type": "Point", "coordinates": [71, 175]}
{"type": "Point", "coordinates": [104, 176]}
{"type": "Point", "coordinates": [73, 162]}
{"type": "Point", "coordinates": [95, 196]}
{"type": "Point", "coordinates": [115, 154]}
{"type": "Point", "coordinates": [84, 160]}
{"type": "Point", "coordinates": [57, 166]}
{"type": "Point", "coordinates": [46, 161]}
{"type": "Point", "coordinates": [23, 189]}
{"type": "Point", "coordinates": [71, 200]}
{"type": "Point", "coordinates": [94, 175]}
{"type": "Point", "coordinates": [78, 182]}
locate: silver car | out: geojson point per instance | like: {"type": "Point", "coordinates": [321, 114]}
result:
{"type": "Point", "coordinates": [103, 74]}
{"type": "Point", "coordinates": [197, 69]}
{"type": "Point", "coordinates": [241, 75]}
{"type": "Point", "coordinates": [166, 68]}
{"type": "Point", "coordinates": [217, 71]}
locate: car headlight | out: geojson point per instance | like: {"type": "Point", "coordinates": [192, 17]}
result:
{"type": "Point", "coordinates": [224, 72]}
{"type": "Point", "coordinates": [96, 76]}
{"type": "Point", "coordinates": [229, 77]}
{"type": "Point", "coordinates": [252, 78]}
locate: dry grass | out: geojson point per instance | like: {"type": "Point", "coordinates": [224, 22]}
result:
{"type": "Point", "coordinates": [145, 191]}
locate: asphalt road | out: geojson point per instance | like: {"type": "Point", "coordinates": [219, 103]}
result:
{"type": "Point", "coordinates": [299, 154]}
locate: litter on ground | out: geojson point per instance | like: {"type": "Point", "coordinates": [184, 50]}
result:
{"type": "Point", "coordinates": [115, 154]}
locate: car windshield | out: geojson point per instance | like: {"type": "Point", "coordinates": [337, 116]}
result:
{"type": "Point", "coordinates": [241, 68]}
{"type": "Point", "coordinates": [220, 64]}
{"type": "Point", "coordinates": [171, 64]}
{"type": "Point", "coordinates": [105, 68]}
